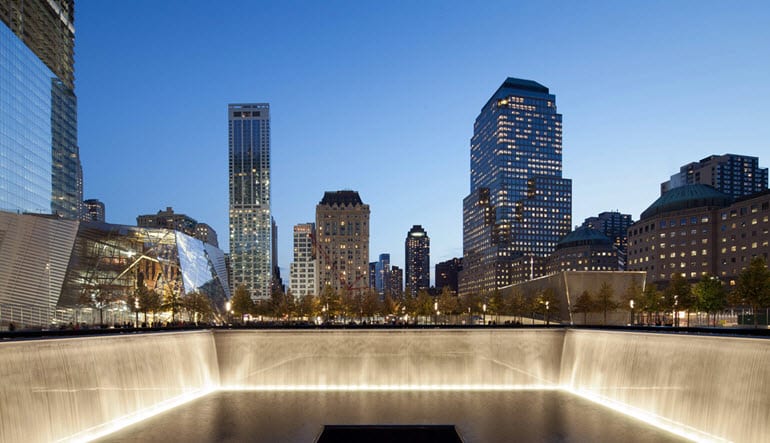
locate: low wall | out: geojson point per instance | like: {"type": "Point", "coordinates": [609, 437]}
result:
{"type": "Point", "coordinates": [702, 387]}
{"type": "Point", "coordinates": [79, 387]}
{"type": "Point", "coordinates": [400, 359]}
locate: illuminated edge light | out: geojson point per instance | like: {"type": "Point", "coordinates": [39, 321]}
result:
{"type": "Point", "coordinates": [388, 388]}
{"type": "Point", "coordinates": [660, 422]}
{"type": "Point", "coordinates": [104, 429]}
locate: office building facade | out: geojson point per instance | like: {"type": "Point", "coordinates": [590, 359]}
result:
{"type": "Point", "coordinates": [447, 273]}
{"type": "Point", "coordinates": [250, 227]}
{"type": "Point", "coordinates": [396, 282]}
{"type": "Point", "coordinates": [519, 204]}
{"type": "Point", "coordinates": [168, 219]}
{"type": "Point", "coordinates": [695, 230]}
{"type": "Point", "coordinates": [417, 260]}
{"type": "Point", "coordinates": [735, 175]}
{"type": "Point", "coordinates": [584, 249]}
{"type": "Point", "coordinates": [342, 236]}
{"type": "Point", "coordinates": [302, 271]}
{"type": "Point", "coordinates": [382, 275]}
{"type": "Point", "coordinates": [40, 171]}
{"type": "Point", "coordinates": [615, 226]}
{"type": "Point", "coordinates": [94, 210]}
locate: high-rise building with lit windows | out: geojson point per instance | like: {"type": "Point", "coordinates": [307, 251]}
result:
{"type": "Point", "coordinates": [302, 273]}
{"type": "Point", "coordinates": [735, 175]}
{"type": "Point", "coordinates": [519, 204]}
{"type": "Point", "coordinates": [40, 169]}
{"type": "Point", "coordinates": [342, 236]}
{"type": "Point", "coordinates": [250, 226]}
{"type": "Point", "coordinates": [417, 258]}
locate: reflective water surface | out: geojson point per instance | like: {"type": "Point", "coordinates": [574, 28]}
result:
{"type": "Point", "coordinates": [480, 416]}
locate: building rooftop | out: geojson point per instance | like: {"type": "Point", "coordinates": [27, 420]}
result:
{"type": "Point", "coordinates": [687, 197]}
{"type": "Point", "coordinates": [341, 198]}
{"type": "Point", "coordinates": [583, 236]}
{"type": "Point", "coordinates": [521, 84]}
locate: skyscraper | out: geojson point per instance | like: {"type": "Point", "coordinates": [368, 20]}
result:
{"type": "Point", "coordinates": [447, 272]}
{"type": "Point", "coordinates": [382, 275]}
{"type": "Point", "coordinates": [169, 219]}
{"type": "Point", "coordinates": [302, 273]}
{"type": "Point", "coordinates": [250, 228]}
{"type": "Point", "coordinates": [735, 175]}
{"type": "Point", "coordinates": [40, 171]}
{"type": "Point", "coordinates": [342, 235]}
{"type": "Point", "coordinates": [396, 282]}
{"type": "Point", "coordinates": [615, 226]}
{"type": "Point", "coordinates": [417, 257]}
{"type": "Point", "coordinates": [519, 205]}
{"type": "Point", "coordinates": [93, 210]}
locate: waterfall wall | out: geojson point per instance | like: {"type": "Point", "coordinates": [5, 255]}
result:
{"type": "Point", "coordinates": [78, 388]}
{"type": "Point", "coordinates": [707, 388]}
{"type": "Point", "coordinates": [703, 387]}
{"type": "Point", "coordinates": [394, 359]}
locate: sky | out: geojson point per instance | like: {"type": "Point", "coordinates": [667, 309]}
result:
{"type": "Point", "coordinates": [380, 97]}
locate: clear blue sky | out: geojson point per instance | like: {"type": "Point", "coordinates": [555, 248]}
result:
{"type": "Point", "coordinates": [380, 97]}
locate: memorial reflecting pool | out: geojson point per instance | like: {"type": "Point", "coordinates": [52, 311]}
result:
{"type": "Point", "coordinates": [479, 416]}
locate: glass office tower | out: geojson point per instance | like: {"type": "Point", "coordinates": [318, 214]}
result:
{"type": "Point", "coordinates": [40, 168]}
{"type": "Point", "coordinates": [519, 205]}
{"type": "Point", "coordinates": [250, 227]}
{"type": "Point", "coordinates": [417, 260]}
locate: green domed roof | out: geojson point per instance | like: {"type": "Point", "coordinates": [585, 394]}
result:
{"type": "Point", "coordinates": [583, 236]}
{"type": "Point", "coordinates": [687, 197]}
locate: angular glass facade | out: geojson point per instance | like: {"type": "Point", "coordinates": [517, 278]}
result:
{"type": "Point", "coordinates": [519, 205]}
{"type": "Point", "coordinates": [250, 227]}
{"type": "Point", "coordinates": [80, 263]}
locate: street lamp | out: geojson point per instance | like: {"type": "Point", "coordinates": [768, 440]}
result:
{"type": "Point", "coordinates": [547, 308]}
{"type": "Point", "coordinates": [136, 311]}
{"type": "Point", "coordinates": [631, 305]}
{"type": "Point", "coordinates": [484, 316]}
{"type": "Point", "coordinates": [676, 313]}
{"type": "Point", "coordinates": [435, 309]}
{"type": "Point", "coordinates": [228, 305]}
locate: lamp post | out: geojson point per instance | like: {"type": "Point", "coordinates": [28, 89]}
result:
{"type": "Point", "coordinates": [484, 315]}
{"type": "Point", "coordinates": [228, 305]}
{"type": "Point", "coordinates": [435, 309]}
{"type": "Point", "coordinates": [547, 311]}
{"type": "Point", "coordinates": [631, 305]}
{"type": "Point", "coordinates": [136, 312]}
{"type": "Point", "coordinates": [676, 313]}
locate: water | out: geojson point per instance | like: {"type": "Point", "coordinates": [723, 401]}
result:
{"type": "Point", "coordinates": [706, 388]}
{"type": "Point", "coordinates": [521, 416]}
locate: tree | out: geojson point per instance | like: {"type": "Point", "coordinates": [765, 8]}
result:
{"type": "Point", "coordinates": [678, 296]}
{"type": "Point", "coordinates": [329, 302]}
{"type": "Point", "coordinates": [753, 286]}
{"type": "Point", "coordinates": [710, 296]}
{"type": "Point", "coordinates": [546, 302]}
{"type": "Point", "coordinates": [370, 305]}
{"type": "Point", "coordinates": [652, 302]}
{"type": "Point", "coordinates": [584, 304]}
{"type": "Point", "coordinates": [99, 300]}
{"type": "Point", "coordinates": [307, 306]}
{"type": "Point", "coordinates": [495, 304]}
{"type": "Point", "coordinates": [518, 306]}
{"type": "Point", "coordinates": [172, 299]}
{"type": "Point", "coordinates": [198, 305]}
{"type": "Point", "coordinates": [605, 301]}
{"type": "Point", "coordinates": [389, 306]}
{"type": "Point", "coordinates": [149, 301]}
{"type": "Point", "coordinates": [448, 302]}
{"type": "Point", "coordinates": [241, 302]}
{"type": "Point", "coordinates": [423, 305]}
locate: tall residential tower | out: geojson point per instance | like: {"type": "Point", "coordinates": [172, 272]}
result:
{"type": "Point", "coordinates": [342, 236]}
{"type": "Point", "coordinates": [302, 271]}
{"type": "Point", "coordinates": [250, 228]}
{"type": "Point", "coordinates": [417, 258]}
{"type": "Point", "coordinates": [519, 205]}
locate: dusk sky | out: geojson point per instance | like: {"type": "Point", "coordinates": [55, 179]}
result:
{"type": "Point", "coordinates": [380, 97]}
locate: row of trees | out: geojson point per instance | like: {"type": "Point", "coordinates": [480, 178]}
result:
{"type": "Point", "coordinates": [651, 305]}
{"type": "Point", "coordinates": [709, 295]}
{"type": "Point", "coordinates": [195, 305]}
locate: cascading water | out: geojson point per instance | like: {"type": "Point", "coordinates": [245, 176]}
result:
{"type": "Point", "coordinates": [709, 388]}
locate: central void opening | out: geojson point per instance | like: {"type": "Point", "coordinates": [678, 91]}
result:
{"type": "Point", "coordinates": [476, 416]}
{"type": "Point", "coordinates": [389, 434]}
